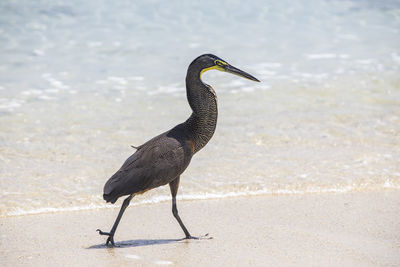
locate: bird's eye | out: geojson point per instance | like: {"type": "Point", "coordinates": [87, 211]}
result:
{"type": "Point", "coordinates": [220, 63]}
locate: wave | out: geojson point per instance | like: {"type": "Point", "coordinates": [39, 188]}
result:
{"type": "Point", "coordinates": [362, 187]}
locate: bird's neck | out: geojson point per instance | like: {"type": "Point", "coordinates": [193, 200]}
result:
{"type": "Point", "coordinates": [203, 102]}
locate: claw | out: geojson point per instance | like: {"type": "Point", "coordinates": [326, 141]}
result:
{"type": "Point", "coordinates": [206, 236]}
{"type": "Point", "coordinates": [198, 238]}
{"type": "Point", "coordinates": [110, 238]}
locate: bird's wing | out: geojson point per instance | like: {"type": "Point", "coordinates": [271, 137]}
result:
{"type": "Point", "coordinates": [155, 163]}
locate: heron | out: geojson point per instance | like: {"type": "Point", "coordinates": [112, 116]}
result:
{"type": "Point", "coordinates": [164, 158]}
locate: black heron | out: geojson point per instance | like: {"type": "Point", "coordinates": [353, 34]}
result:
{"type": "Point", "coordinates": [164, 158]}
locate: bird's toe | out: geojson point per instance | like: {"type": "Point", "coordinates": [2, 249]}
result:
{"type": "Point", "coordinates": [110, 241]}
{"type": "Point", "coordinates": [102, 233]}
{"type": "Point", "coordinates": [206, 236]}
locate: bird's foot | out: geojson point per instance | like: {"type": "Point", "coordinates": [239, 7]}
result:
{"type": "Point", "coordinates": [110, 239]}
{"type": "Point", "coordinates": [206, 236]}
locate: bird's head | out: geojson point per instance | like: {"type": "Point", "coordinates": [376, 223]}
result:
{"type": "Point", "coordinates": [211, 62]}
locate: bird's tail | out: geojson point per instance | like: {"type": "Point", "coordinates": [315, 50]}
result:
{"type": "Point", "coordinates": [110, 198]}
{"type": "Point", "coordinates": [111, 192]}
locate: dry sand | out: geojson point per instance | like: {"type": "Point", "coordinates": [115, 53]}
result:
{"type": "Point", "coordinates": [353, 229]}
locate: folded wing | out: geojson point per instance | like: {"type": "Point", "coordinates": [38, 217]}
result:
{"type": "Point", "coordinates": [155, 163]}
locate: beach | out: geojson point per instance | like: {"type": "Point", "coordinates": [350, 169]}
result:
{"type": "Point", "coordinates": [345, 229]}
{"type": "Point", "coordinates": [79, 86]}
{"type": "Point", "coordinates": [302, 170]}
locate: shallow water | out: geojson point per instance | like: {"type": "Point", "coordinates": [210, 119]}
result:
{"type": "Point", "coordinates": [81, 82]}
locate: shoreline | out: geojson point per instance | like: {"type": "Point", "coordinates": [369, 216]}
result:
{"type": "Point", "coordinates": [387, 186]}
{"type": "Point", "coordinates": [358, 228]}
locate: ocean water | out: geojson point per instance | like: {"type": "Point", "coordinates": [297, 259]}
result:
{"type": "Point", "coordinates": [82, 81]}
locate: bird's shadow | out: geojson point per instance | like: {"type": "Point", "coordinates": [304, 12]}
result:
{"type": "Point", "coordinates": [138, 243]}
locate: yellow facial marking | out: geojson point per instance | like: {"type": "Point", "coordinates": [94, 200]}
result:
{"type": "Point", "coordinates": [210, 68]}
{"type": "Point", "coordinates": [219, 64]}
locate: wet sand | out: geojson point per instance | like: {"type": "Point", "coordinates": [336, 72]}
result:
{"type": "Point", "coordinates": [352, 229]}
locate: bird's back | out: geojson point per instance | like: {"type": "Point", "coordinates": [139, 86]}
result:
{"type": "Point", "coordinates": [155, 163]}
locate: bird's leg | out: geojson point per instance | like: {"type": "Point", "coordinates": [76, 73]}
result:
{"type": "Point", "coordinates": [174, 190]}
{"type": "Point", "coordinates": [110, 238]}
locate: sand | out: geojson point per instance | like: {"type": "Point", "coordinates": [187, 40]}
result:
{"type": "Point", "coordinates": [352, 229]}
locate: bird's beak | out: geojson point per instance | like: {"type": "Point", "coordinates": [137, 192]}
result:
{"type": "Point", "coordinates": [236, 71]}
